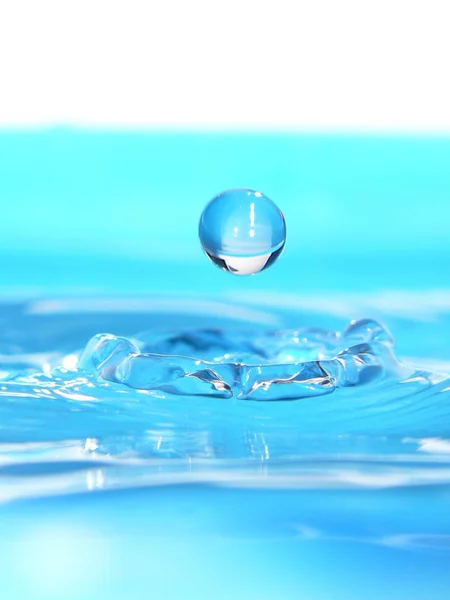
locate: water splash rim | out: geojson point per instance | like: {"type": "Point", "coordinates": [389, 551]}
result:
{"type": "Point", "coordinates": [268, 366]}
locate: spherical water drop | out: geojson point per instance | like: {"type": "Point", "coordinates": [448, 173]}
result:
{"type": "Point", "coordinates": [242, 231]}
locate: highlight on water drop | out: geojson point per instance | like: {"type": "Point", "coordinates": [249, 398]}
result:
{"type": "Point", "coordinates": [242, 231]}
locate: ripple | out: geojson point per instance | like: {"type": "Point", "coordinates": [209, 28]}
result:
{"type": "Point", "coordinates": [218, 405]}
{"type": "Point", "coordinates": [274, 365]}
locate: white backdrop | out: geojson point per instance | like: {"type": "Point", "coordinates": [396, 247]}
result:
{"type": "Point", "coordinates": [347, 64]}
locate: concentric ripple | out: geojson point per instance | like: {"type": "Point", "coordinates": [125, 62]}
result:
{"type": "Point", "coordinates": [213, 405]}
{"type": "Point", "coordinates": [277, 365]}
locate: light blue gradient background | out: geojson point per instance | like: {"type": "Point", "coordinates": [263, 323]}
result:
{"type": "Point", "coordinates": [121, 210]}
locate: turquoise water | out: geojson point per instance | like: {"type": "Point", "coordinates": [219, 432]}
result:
{"type": "Point", "coordinates": [122, 475]}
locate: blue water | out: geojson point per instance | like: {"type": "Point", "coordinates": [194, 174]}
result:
{"type": "Point", "coordinates": [126, 475]}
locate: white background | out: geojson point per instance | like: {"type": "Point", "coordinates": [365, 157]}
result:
{"type": "Point", "coordinates": [348, 64]}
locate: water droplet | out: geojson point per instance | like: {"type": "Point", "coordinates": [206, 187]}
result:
{"type": "Point", "coordinates": [242, 231]}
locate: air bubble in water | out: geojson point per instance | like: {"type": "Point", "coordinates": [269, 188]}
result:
{"type": "Point", "coordinates": [242, 231]}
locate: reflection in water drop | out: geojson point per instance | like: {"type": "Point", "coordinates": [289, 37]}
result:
{"type": "Point", "coordinates": [242, 231]}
